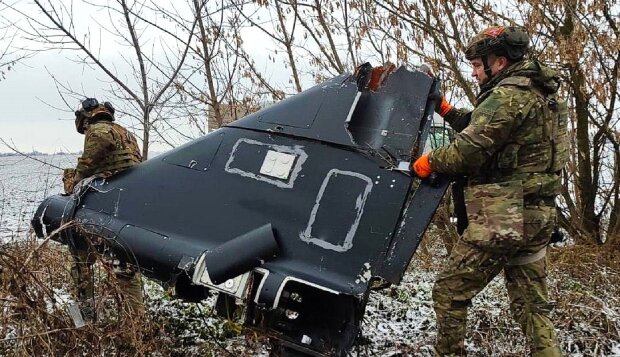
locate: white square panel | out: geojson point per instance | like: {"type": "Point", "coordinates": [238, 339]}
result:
{"type": "Point", "coordinates": [277, 164]}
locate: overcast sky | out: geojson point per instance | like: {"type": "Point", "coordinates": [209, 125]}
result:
{"type": "Point", "coordinates": [34, 116]}
{"type": "Point", "coordinates": [28, 97]}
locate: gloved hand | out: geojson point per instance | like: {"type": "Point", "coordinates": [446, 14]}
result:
{"type": "Point", "coordinates": [422, 167]}
{"type": "Point", "coordinates": [443, 107]}
{"type": "Point", "coordinates": [426, 68]}
{"type": "Point", "coordinates": [362, 75]}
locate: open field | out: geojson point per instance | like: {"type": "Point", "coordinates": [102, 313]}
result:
{"type": "Point", "coordinates": [23, 185]}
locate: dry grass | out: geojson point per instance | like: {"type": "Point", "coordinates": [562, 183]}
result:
{"type": "Point", "coordinates": [587, 292]}
{"type": "Point", "coordinates": [35, 289]}
{"type": "Point", "coordinates": [584, 286]}
{"type": "Point", "coordinates": [35, 296]}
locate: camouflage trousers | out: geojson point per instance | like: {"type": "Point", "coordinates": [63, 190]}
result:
{"type": "Point", "coordinates": [83, 278]}
{"type": "Point", "coordinates": [473, 263]}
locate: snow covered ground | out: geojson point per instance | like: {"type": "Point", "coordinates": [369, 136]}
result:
{"type": "Point", "coordinates": [399, 320]}
{"type": "Point", "coordinates": [24, 183]}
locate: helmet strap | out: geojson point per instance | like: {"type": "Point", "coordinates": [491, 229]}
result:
{"type": "Point", "coordinates": [487, 69]}
{"type": "Point", "coordinates": [85, 123]}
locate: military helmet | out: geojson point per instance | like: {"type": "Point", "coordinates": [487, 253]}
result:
{"type": "Point", "coordinates": [91, 110]}
{"type": "Point", "coordinates": [511, 42]}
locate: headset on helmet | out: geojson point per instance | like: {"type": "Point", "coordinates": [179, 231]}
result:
{"type": "Point", "coordinates": [91, 110]}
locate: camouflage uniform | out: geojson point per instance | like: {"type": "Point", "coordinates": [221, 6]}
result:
{"type": "Point", "coordinates": [108, 148]}
{"type": "Point", "coordinates": [512, 147]}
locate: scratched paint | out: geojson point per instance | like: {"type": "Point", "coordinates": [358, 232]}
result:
{"type": "Point", "coordinates": [365, 275]}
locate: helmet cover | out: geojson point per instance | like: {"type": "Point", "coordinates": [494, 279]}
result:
{"type": "Point", "coordinates": [511, 42]}
{"type": "Point", "coordinates": [91, 110]}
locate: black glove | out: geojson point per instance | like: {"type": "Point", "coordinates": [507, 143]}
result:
{"type": "Point", "coordinates": [362, 75]}
{"type": "Point", "coordinates": [435, 94]}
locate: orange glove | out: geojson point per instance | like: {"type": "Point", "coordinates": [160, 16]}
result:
{"type": "Point", "coordinates": [444, 107]}
{"type": "Point", "coordinates": [422, 167]}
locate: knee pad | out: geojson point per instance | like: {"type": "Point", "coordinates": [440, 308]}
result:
{"type": "Point", "coordinates": [444, 300]}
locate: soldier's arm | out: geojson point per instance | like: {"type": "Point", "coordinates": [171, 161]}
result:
{"type": "Point", "coordinates": [97, 144]}
{"type": "Point", "coordinates": [458, 118]}
{"type": "Point", "coordinates": [491, 124]}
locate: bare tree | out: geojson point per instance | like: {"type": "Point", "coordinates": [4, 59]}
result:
{"type": "Point", "coordinates": [215, 58]}
{"type": "Point", "coordinates": [580, 39]}
{"type": "Point", "coordinates": [315, 39]}
{"type": "Point", "coordinates": [279, 29]}
{"type": "Point", "coordinates": [56, 28]}
{"type": "Point", "coordinates": [10, 54]}
{"type": "Point", "coordinates": [7, 61]}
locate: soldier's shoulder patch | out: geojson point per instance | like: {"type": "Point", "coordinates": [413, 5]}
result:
{"type": "Point", "coordinates": [491, 104]}
{"type": "Point", "coordinates": [482, 115]}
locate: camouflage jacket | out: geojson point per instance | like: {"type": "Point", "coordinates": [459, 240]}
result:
{"type": "Point", "coordinates": [108, 148]}
{"type": "Point", "coordinates": [517, 131]}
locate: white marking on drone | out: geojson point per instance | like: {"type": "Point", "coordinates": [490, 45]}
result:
{"type": "Point", "coordinates": [296, 150]}
{"type": "Point", "coordinates": [307, 236]}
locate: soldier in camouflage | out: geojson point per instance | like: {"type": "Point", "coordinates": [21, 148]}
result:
{"type": "Point", "coordinates": [108, 149]}
{"type": "Point", "coordinates": [511, 147]}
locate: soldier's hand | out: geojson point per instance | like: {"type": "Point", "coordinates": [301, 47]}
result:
{"type": "Point", "coordinates": [422, 167]}
{"type": "Point", "coordinates": [362, 75]}
{"type": "Point", "coordinates": [68, 180]}
{"type": "Point", "coordinates": [442, 107]}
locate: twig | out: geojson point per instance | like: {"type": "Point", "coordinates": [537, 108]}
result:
{"type": "Point", "coordinates": [38, 334]}
{"type": "Point", "coordinates": [49, 236]}
{"type": "Point", "coordinates": [14, 149]}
